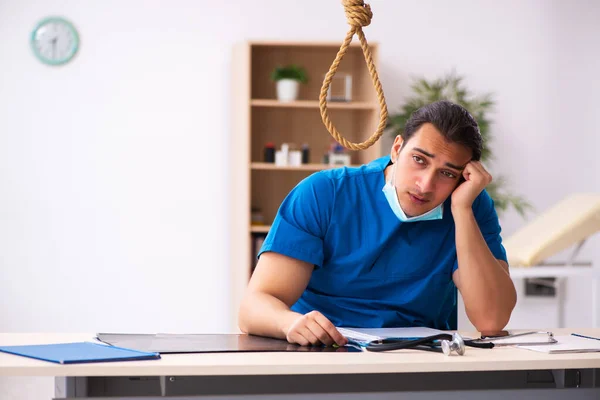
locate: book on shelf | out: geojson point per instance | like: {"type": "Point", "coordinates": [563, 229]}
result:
{"type": "Point", "coordinates": [257, 242]}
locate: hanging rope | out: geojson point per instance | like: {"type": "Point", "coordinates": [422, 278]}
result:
{"type": "Point", "coordinates": [358, 15]}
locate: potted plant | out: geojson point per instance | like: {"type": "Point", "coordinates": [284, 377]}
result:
{"type": "Point", "coordinates": [450, 87]}
{"type": "Point", "coordinates": [288, 79]}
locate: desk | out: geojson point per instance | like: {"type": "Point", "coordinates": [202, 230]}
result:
{"type": "Point", "coordinates": [495, 374]}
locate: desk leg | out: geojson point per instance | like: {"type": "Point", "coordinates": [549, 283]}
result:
{"type": "Point", "coordinates": [595, 302]}
{"type": "Point", "coordinates": [561, 287]}
{"type": "Point", "coordinates": [69, 387]}
{"type": "Point", "coordinates": [572, 378]}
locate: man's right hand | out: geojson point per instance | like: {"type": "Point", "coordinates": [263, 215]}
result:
{"type": "Point", "coordinates": [314, 328]}
{"type": "Point", "coordinates": [276, 284]}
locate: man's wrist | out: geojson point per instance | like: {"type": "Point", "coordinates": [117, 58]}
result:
{"type": "Point", "coordinates": [459, 211]}
{"type": "Point", "coordinates": [287, 320]}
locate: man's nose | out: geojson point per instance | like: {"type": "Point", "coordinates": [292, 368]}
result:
{"type": "Point", "coordinates": [426, 182]}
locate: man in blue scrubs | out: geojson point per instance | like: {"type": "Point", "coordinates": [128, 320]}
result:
{"type": "Point", "coordinates": [385, 244]}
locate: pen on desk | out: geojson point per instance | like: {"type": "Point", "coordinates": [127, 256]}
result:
{"type": "Point", "coordinates": [583, 336]}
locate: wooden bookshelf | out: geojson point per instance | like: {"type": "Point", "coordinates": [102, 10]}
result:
{"type": "Point", "coordinates": [259, 118]}
{"type": "Point", "coordinates": [260, 228]}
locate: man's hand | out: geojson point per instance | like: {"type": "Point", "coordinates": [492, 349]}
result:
{"type": "Point", "coordinates": [476, 179]}
{"type": "Point", "coordinates": [314, 328]}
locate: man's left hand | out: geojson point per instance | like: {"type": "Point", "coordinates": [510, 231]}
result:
{"type": "Point", "coordinates": [476, 179]}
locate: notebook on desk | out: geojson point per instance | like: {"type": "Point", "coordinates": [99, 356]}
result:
{"type": "Point", "coordinates": [363, 336]}
{"type": "Point", "coordinates": [79, 352]}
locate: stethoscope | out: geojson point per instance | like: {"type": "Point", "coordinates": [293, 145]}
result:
{"type": "Point", "coordinates": [448, 343]}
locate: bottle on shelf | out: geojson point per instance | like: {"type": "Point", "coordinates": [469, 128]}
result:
{"type": "Point", "coordinates": [305, 154]}
{"type": "Point", "coordinates": [281, 156]}
{"type": "Point", "coordinates": [294, 156]}
{"type": "Point", "coordinates": [269, 155]}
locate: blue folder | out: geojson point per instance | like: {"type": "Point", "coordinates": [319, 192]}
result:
{"type": "Point", "coordinates": [80, 352]}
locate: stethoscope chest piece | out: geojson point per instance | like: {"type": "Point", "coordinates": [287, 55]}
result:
{"type": "Point", "coordinates": [457, 344]}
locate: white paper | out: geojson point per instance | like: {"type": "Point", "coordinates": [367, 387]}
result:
{"type": "Point", "coordinates": [370, 334]}
{"type": "Point", "coordinates": [567, 344]}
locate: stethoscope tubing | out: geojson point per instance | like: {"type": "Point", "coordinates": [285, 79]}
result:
{"type": "Point", "coordinates": [430, 341]}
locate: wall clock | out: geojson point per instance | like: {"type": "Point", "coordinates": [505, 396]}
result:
{"type": "Point", "coordinates": [54, 41]}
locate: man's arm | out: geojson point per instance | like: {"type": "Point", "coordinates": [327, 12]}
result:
{"type": "Point", "coordinates": [276, 284]}
{"type": "Point", "coordinates": [483, 281]}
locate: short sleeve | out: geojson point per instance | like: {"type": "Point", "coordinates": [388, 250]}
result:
{"type": "Point", "coordinates": [302, 220]}
{"type": "Point", "coordinates": [487, 219]}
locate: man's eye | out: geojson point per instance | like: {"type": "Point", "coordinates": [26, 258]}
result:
{"type": "Point", "coordinates": [418, 160]}
{"type": "Point", "coordinates": [449, 174]}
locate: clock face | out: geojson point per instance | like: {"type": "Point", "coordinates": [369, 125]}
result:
{"type": "Point", "coordinates": [54, 41]}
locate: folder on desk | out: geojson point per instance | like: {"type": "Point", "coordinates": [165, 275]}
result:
{"type": "Point", "coordinates": [80, 352]}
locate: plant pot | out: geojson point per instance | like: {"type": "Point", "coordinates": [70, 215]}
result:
{"type": "Point", "coordinates": [287, 90]}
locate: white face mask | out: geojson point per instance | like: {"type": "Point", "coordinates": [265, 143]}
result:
{"type": "Point", "coordinates": [389, 190]}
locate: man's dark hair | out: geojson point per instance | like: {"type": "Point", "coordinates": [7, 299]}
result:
{"type": "Point", "coordinates": [453, 121]}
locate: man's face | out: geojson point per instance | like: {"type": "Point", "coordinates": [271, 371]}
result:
{"type": "Point", "coordinates": [429, 169]}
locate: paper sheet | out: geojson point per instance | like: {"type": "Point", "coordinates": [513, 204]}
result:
{"type": "Point", "coordinates": [365, 335]}
{"type": "Point", "coordinates": [567, 344]}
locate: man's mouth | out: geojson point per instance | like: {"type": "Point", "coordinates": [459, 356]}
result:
{"type": "Point", "coordinates": [417, 199]}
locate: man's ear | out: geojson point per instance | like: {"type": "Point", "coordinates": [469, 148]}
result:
{"type": "Point", "coordinates": [396, 147]}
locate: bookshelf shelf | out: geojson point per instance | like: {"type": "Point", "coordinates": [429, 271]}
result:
{"type": "Point", "coordinates": [353, 105]}
{"type": "Point", "coordinates": [260, 228]}
{"type": "Point", "coordinates": [303, 167]}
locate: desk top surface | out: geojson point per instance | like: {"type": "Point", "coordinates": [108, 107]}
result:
{"type": "Point", "coordinates": [293, 363]}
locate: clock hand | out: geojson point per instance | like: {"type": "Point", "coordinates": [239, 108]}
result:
{"type": "Point", "coordinates": [54, 47]}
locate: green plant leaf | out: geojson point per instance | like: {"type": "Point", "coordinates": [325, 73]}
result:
{"type": "Point", "coordinates": [292, 71]}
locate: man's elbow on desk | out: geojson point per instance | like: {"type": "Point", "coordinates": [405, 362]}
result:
{"type": "Point", "coordinates": [246, 306]}
{"type": "Point", "coordinates": [245, 314]}
{"type": "Point", "coordinates": [491, 320]}
{"type": "Point", "coordinates": [492, 313]}
{"type": "Point", "coordinates": [242, 326]}
{"type": "Point", "coordinates": [490, 324]}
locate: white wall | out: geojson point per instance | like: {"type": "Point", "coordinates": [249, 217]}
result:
{"type": "Point", "coordinates": [564, 157]}
{"type": "Point", "coordinates": [113, 168]}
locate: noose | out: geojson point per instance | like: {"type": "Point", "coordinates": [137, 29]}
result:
{"type": "Point", "coordinates": [358, 15]}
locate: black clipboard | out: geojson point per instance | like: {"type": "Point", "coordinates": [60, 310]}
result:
{"type": "Point", "coordinates": [208, 343]}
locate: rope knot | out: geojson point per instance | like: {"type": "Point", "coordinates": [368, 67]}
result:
{"type": "Point", "coordinates": [358, 14]}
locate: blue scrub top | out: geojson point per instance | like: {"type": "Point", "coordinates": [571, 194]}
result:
{"type": "Point", "coordinates": [370, 269]}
